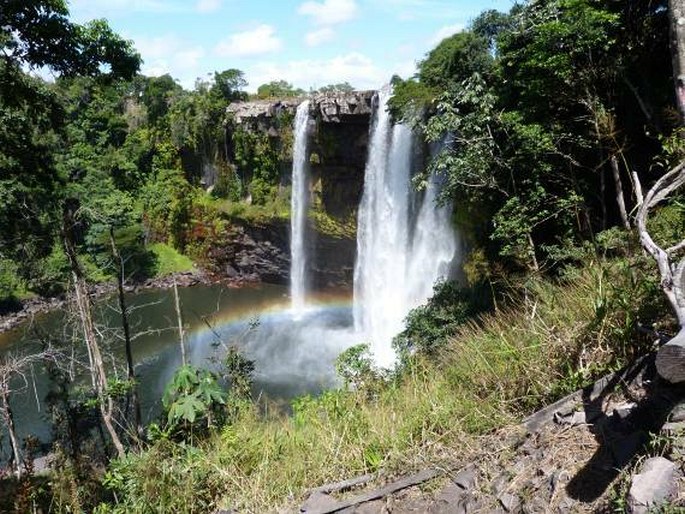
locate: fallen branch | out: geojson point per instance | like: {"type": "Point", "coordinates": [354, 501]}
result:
{"type": "Point", "coordinates": [404, 483]}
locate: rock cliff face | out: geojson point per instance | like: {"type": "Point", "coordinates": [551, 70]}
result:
{"type": "Point", "coordinates": [338, 149]}
{"type": "Point", "coordinates": [355, 106]}
{"type": "Point", "coordinates": [262, 253]}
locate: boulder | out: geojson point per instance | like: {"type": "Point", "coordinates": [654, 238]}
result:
{"type": "Point", "coordinates": [654, 485]}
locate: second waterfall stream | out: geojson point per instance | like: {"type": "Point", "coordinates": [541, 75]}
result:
{"type": "Point", "coordinates": [405, 241]}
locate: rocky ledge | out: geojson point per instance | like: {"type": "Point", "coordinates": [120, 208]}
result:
{"type": "Point", "coordinates": [336, 107]}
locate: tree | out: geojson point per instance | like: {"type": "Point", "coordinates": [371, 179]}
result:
{"type": "Point", "coordinates": [671, 357]}
{"type": "Point", "coordinates": [278, 89]}
{"type": "Point", "coordinates": [341, 87]}
{"type": "Point", "coordinates": [84, 308]}
{"type": "Point", "coordinates": [14, 367]}
{"type": "Point", "coordinates": [158, 93]}
{"type": "Point", "coordinates": [37, 33]}
{"type": "Point", "coordinates": [455, 59]}
{"type": "Point", "coordinates": [33, 34]}
{"type": "Point", "coordinates": [228, 85]}
{"type": "Point", "coordinates": [677, 31]}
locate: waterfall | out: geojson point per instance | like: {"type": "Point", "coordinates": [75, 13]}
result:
{"type": "Point", "coordinates": [405, 242]}
{"type": "Point", "coordinates": [299, 205]}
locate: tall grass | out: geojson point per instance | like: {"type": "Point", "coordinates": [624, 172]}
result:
{"type": "Point", "coordinates": [553, 338]}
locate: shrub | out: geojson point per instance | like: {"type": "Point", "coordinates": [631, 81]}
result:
{"type": "Point", "coordinates": [429, 327]}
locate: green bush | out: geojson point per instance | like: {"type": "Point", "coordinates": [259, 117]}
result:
{"type": "Point", "coordinates": [11, 285]}
{"type": "Point", "coordinates": [430, 326]}
{"type": "Point", "coordinates": [167, 207]}
{"type": "Point", "coordinates": [192, 400]}
{"type": "Point", "coordinates": [52, 275]}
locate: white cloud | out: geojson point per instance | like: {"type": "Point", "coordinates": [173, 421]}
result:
{"type": "Point", "coordinates": [329, 12]}
{"type": "Point", "coordinates": [207, 6]}
{"type": "Point", "coordinates": [170, 54]}
{"type": "Point", "coordinates": [443, 32]}
{"type": "Point", "coordinates": [260, 40]}
{"type": "Point", "coordinates": [319, 36]}
{"type": "Point", "coordinates": [355, 68]}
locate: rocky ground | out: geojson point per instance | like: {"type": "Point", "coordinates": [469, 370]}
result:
{"type": "Point", "coordinates": [617, 446]}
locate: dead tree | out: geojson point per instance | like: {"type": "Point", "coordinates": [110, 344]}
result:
{"type": "Point", "coordinates": [121, 277]}
{"type": "Point", "coordinates": [670, 361]}
{"type": "Point", "coordinates": [14, 367]}
{"type": "Point", "coordinates": [179, 319]}
{"type": "Point", "coordinates": [676, 10]}
{"type": "Point", "coordinates": [85, 313]}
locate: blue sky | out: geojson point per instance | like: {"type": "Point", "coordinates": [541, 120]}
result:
{"type": "Point", "coordinates": [310, 43]}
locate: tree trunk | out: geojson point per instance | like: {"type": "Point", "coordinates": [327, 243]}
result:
{"type": "Point", "coordinates": [127, 333]}
{"type": "Point", "coordinates": [98, 374]}
{"type": "Point", "coordinates": [670, 360]}
{"type": "Point", "coordinates": [533, 257]}
{"type": "Point", "coordinates": [677, 29]}
{"type": "Point", "coordinates": [637, 187]}
{"type": "Point", "coordinates": [179, 318]}
{"type": "Point", "coordinates": [11, 431]}
{"type": "Point", "coordinates": [620, 199]}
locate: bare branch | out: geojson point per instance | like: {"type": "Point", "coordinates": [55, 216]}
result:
{"type": "Point", "coordinates": [670, 361]}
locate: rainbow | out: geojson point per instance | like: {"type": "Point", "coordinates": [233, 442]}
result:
{"type": "Point", "coordinates": [273, 309]}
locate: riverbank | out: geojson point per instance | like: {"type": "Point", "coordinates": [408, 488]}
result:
{"type": "Point", "coordinates": [39, 305]}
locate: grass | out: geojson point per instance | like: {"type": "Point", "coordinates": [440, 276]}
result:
{"type": "Point", "coordinates": [168, 260]}
{"type": "Point", "coordinates": [327, 224]}
{"type": "Point", "coordinates": [493, 372]}
{"type": "Point", "coordinates": [278, 209]}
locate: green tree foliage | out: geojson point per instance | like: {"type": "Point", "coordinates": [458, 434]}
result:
{"type": "Point", "coordinates": [193, 396]}
{"type": "Point", "coordinates": [33, 34]}
{"type": "Point", "coordinates": [278, 89]}
{"type": "Point", "coordinates": [228, 85]}
{"type": "Point", "coordinates": [258, 163]}
{"type": "Point", "coordinates": [38, 33]}
{"type": "Point", "coordinates": [429, 327]}
{"type": "Point", "coordinates": [341, 87]}
{"type": "Point", "coordinates": [529, 109]}
{"type": "Point", "coordinates": [157, 94]}
{"type": "Point", "coordinates": [455, 59]}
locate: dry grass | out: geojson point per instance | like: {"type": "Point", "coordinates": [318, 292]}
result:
{"type": "Point", "coordinates": [495, 371]}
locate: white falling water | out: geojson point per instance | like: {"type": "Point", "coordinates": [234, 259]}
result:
{"type": "Point", "coordinates": [299, 205]}
{"type": "Point", "coordinates": [434, 247]}
{"type": "Point", "coordinates": [399, 256]}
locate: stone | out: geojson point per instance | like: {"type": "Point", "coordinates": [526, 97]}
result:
{"type": "Point", "coordinates": [499, 484]}
{"type": "Point", "coordinates": [372, 507]}
{"type": "Point", "coordinates": [536, 505]}
{"type": "Point", "coordinates": [678, 413]}
{"type": "Point", "coordinates": [655, 484]}
{"type": "Point", "coordinates": [623, 410]}
{"type": "Point", "coordinates": [337, 107]}
{"type": "Point", "coordinates": [510, 502]}
{"type": "Point", "coordinates": [573, 419]}
{"type": "Point", "coordinates": [674, 428]}
{"type": "Point", "coordinates": [466, 478]}
{"type": "Point", "coordinates": [317, 502]}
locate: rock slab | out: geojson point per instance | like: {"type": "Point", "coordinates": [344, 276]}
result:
{"type": "Point", "coordinates": [654, 485]}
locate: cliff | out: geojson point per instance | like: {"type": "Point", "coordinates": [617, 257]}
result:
{"type": "Point", "coordinates": [338, 149]}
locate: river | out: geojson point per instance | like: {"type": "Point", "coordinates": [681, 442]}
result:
{"type": "Point", "coordinates": [293, 355]}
